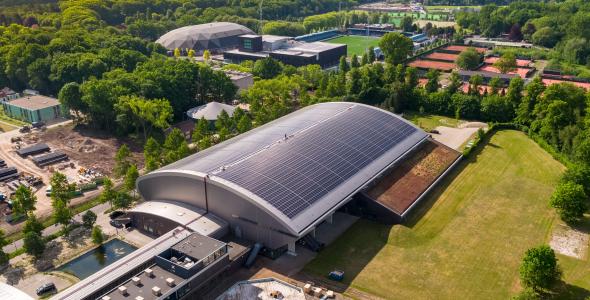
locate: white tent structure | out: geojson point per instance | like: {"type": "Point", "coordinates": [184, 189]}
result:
{"type": "Point", "coordinates": [210, 111]}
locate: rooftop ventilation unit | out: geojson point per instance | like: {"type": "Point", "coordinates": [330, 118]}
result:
{"type": "Point", "coordinates": [136, 281]}
{"type": "Point", "coordinates": [170, 282]}
{"type": "Point", "coordinates": [156, 291]}
{"type": "Point", "coordinates": [139, 298]}
{"type": "Point", "coordinates": [149, 272]}
{"type": "Point", "coordinates": [123, 290]}
{"type": "Point", "coordinates": [106, 298]}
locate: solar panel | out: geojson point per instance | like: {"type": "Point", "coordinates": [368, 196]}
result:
{"type": "Point", "coordinates": [293, 174]}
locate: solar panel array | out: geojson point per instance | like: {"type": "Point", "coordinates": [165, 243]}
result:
{"type": "Point", "coordinates": [294, 174]}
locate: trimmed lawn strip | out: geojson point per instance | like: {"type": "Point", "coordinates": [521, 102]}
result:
{"type": "Point", "coordinates": [356, 44]}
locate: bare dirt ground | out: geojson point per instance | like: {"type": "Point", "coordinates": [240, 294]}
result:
{"type": "Point", "coordinates": [570, 242]}
{"type": "Point", "coordinates": [85, 147]}
{"type": "Point", "coordinates": [90, 148]}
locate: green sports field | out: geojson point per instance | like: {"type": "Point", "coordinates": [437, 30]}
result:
{"type": "Point", "coordinates": [356, 44]}
{"type": "Point", "coordinates": [468, 238]}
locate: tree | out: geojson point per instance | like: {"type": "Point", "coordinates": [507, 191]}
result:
{"type": "Point", "coordinates": [539, 269]}
{"type": "Point", "coordinates": [578, 174]}
{"type": "Point", "coordinates": [283, 28]}
{"type": "Point", "coordinates": [34, 244]}
{"type": "Point", "coordinates": [244, 124]}
{"type": "Point", "coordinates": [469, 59]}
{"type": "Point", "coordinates": [24, 200]}
{"type": "Point", "coordinates": [61, 189]}
{"type": "Point", "coordinates": [152, 153]}
{"type": "Point", "coordinates": [33, 225]}
{"type": "Point", "coordinates": [496, 108]}
{"type": "Point", "coordinates": [122, 161]}
{"type": "Point", "coordinates": [176, 52]}
{"type": "Point", "coordinates": [89, 218]}
{"type": "Point", "coordinates": [355, 82]}
{"type": "Point", "coordinates": [371, 54]}
{"type": "Point", "coordinates": [495, 84]}
{"type": "Point", "coordinates": [191, 53]}
{"type": "Point", "coordinates": [515, 89]}
{"type": "Point", "coordinates": [3, 243]}
{"type": "Point", "coordinates": [455, 83]}
{"type": "Point", "coordinates": [515, 33]}
{"type": "Point", "coordinates": [432, 85]}
{"type": "Point", "coordinates": [62, 214]}
{"type": "Point", "coordinates": [122, 200]}
{"type": "Point", "coordinates": [406, 24]}
{"type": "Point", "coordinates": [108, 192]}
{"type": "Point", "coordinates": [97, 235]}
{"type": "Point", "coordinates": [201, 129]}
{"type": "Point", "coordinates": [146, 113]}
{"type": "Point", "coordinates": [175, 146]}
{"type": "Point", "coordinates": [546, 37]}
{"type": "Point", "coordinates": [343, 66]}
{"type": "Point", "coordinates": [354, 61]}
{"type": "Point", "coordinates": [206, 55]}
{"type": "Point", "coordinates": [364, 59]}
{"type": "Point", "coordinates": [267, 68]}
{"type": "Point", "coordinates": [474, 83]}
{"type": "Point", "coordinates": [570, 200]}
{"type": "Point", "coordinates": [70, 98]}
{"type": "Point", "coordinates": [396, 47]}
{"type": "Point", "coordinates": [506, 63]}
{"type": "Point", "coordinates": [131, 177]}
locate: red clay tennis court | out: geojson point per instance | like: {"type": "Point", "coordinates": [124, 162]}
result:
{"type": "Point", "coordinates": [519, 62]}
{"type": "Point", "coordinates": [442, 56]}
{"type": "Point", "coordinates": [431, 64]}
{"type": "Point", "coordinates": [522, 72]}
{"type": "Point", "coordinates": [549, 82]}
{"type": "Point", "coordinates": [460, 48]}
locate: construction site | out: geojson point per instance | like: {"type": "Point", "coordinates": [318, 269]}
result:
{"type": "Point", "coordinates": [30, 156]}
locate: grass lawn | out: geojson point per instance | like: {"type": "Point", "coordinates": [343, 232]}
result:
{"type": "Point", "coordinates": [356, 44]}
{"type": "Point", "coordinates": [468, 237]}
{"type": "Point", "coordinates": [428, 122]}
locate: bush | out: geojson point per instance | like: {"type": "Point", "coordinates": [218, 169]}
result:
{"type": "Point", "coordinates": [570, 200]}
{"type": "Point", "coordinates": [89, 218]}
{"type": "Point", "coordinates": [539, 269]}
{"type": "Point", "coordinates": [97, 235]}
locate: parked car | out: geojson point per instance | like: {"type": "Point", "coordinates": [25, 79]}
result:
{"type": "Point", "coordinates": [38, 125]}
{"type": "Point", "coordinates": [24, 129]}
{"type": "Point", "coordinates": [116, 224]}
{"type": "Point", "coordinates": [46, 288]}
{"type": "Point", "coordinates": [116, 214]}
{"type": "Point", "coordinates": [434, 131]}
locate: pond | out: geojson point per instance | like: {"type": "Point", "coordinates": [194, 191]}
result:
{"type": "Point", "coordinates": [98, 258]}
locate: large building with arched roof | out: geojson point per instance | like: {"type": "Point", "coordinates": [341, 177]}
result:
{"type": "Point", "coordinates": [276, 183]}
{"type": "Point", "coordinates": [215, 37]}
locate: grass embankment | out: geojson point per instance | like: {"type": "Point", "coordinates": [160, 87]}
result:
{"type": "Point", "coordinates": [428, 122]}
{"type": "Point", "coordinates": [469, 235]}
{"type": "Point", "coordinates": [356, 44]}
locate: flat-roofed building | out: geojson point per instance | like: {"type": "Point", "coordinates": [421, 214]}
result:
{"type": "Point", "coordinates": [35, 108]}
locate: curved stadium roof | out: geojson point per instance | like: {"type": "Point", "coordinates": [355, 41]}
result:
{"type": "Point", "coordinates": [303, 165]}
{"type": "Point", "coordinates": [211, 36]}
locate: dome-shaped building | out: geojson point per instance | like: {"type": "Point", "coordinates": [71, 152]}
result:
{"type": "Point", "coordinates": [214, 37]}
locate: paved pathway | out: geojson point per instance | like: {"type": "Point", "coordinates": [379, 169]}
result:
{"type": "Point", "coordinates": [98, 210]}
